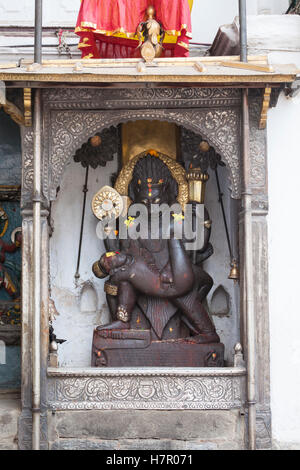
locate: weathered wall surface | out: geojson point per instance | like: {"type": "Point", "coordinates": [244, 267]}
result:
{"type": "Point", "coordinates": [10, 174]}
{"type": "Point", "coordinates": [9, 414]}
{"type": "Point", "coordinates": [223, 299]}
{"type": "Point", "coordinates": [280, 38]}
{"type": "Point", "coordinates": [153, 430]}
{"type": "Point", "coordinates": [207, 16]}
{"type": "Point", "coordinates": [82, 304]}
{"type": "Point", "coordinates": [284, 226]}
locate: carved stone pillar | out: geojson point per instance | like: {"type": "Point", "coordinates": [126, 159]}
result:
{"type": "Point", "coordinates": [26, 379]}
{"type": "Point", "coordinates": [259, 186]}
{"type": "Point", "coordinates": [25, 425]}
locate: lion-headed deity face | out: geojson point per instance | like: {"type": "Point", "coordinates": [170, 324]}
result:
{"type": "Point", "coordinates": [152, 182]}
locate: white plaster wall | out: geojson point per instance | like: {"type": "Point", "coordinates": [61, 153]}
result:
{"type": "Point", "coordinates": [55, 12]}
{"type": "Point", "coordinates": [77, 316]}
{"type": "Point", "coordinates": [207, 16]}
{"type": "Point", "coordinates": [284, 262]}
{"type": "Point", "coordinates": [284, 258]}
{"type": "Point", "coordinates": [274, 34]}
{"type": "Point", "coordinates": [279, 36]}
{"type": "Point", "coordinates": [218, 265]}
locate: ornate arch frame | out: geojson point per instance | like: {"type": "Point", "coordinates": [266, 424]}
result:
{"type": "Point", "coordinates": [68, 123]}
{"type": "Point", "coordinates": [70, 117]}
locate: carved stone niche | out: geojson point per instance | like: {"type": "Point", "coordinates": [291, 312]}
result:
{"type": "Point", "coordinates": [71, 116]}
{"type": "Point", "coordinates": [220, 302]}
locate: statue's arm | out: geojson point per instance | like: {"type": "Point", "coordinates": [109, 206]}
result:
{"type": "Point", "coordinates": [99, 270]}
{"type": "Point", "coordinates": [206, 250]}
{"type": "Point", "coordinates": [207, 231]}
{"type": "Point", "coordinates": [112, 244]}
{"type": "Point", "coordinates": [181, 265]}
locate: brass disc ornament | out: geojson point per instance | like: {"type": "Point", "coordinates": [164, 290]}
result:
{"type": "Point", "coordinates": [107, 202]}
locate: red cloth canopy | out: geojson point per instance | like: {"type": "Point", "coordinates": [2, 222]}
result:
{"type": "Point", "coordinates": [107, 28]}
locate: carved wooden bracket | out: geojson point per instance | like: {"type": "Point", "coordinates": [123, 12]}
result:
{"type": "Point", "coordinates": [265, 107]}
{"type": "Point", "coordinates": [27, 108]}
{"type": "Point", "coordinates": [16, 114]}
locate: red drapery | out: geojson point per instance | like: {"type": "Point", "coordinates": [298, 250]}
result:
{"type": "Point", "coordinates": [107, 27]}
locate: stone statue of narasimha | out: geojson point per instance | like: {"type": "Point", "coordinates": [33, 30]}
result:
{"type": "Point", "coordinates": [156, 287]}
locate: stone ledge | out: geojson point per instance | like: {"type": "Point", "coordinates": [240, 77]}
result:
{"type": "Point", "coordinates": [8, 444]}
{"type": "Point", "coordinates": [139, 444]}
{"type": "Point", "coordinates": [168, 425]}
{"type": "Point", "coordinates": [147, 371]}
{"type": "Point", "coordinates": [9, 415]}
{"type": "Point", "coordinates": [146, 389]}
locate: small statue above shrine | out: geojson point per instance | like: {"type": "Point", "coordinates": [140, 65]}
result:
{"type": "Point", "coordinates": [151, 29]}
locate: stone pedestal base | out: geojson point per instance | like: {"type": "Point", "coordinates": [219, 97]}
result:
{"type": "Point", "coordinates": [133, 348]}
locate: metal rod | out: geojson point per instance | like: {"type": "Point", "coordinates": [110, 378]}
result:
{"type": "Point", "coordinates": [32, 45]}
{"type": "Point", "coordinates": [220, 195]}
{"type": "Point", "coordinates": [243, 31]}
{"type": "Point", "coordinates": [85, 190]}
{"type": "Point", "coordinates": [38, 31]}
{"type": "Point", "coordinates": [36, 341]}
{"type": "Point", "coordinates": [248, 267]}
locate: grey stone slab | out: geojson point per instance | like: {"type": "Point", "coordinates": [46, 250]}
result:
{"type": "Point", "coordinates": [143, 444]}
{"type": "Point", "coordinates": [135, 444]}
{"type": "Point", "coordinates": [83, 444]}
{"type": "Point", "coordinates": [208, 445]}
{"type": "Point", "coordinates": [8, 444]}
{"type": "Point", "coordinates": [9, 415]}
{"type": "Point", "coordinates": [174, 425]}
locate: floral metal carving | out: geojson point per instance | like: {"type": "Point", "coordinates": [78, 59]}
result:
{"type": "Point", "coordinates": [27, 165]}
{"type": "Point", "coordinates": [258, 156]}
{"type": "Point", "coordinates": [68, 129]}
{"type": "Point", "coordinates": [146, 97]}
{"type": "Point", "coordinates": [146, 391]}
{"type": "Point", "coordinates": [72, 116]}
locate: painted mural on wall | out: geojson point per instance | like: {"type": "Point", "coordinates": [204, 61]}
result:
{"type": "Point", "coordinates": [10, 262]}
{"type": "Point", "coordinates": [10, 253]}
{"type": "Point", "coordinates": [10, 221]}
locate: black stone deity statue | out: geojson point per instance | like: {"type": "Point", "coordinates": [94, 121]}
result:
{"type": "Point", "coordinates": [156, 287]}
